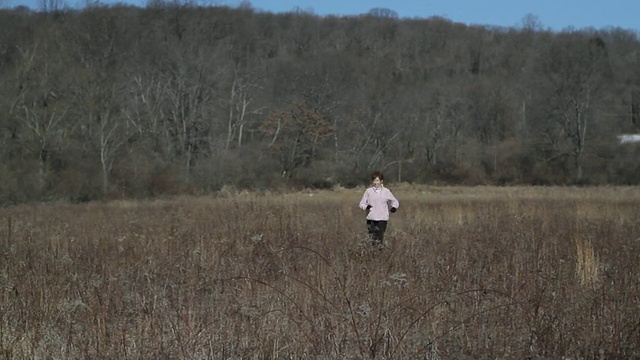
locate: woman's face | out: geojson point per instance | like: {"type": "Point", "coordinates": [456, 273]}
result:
{"type": "Point", "coordinates": [376, 182]}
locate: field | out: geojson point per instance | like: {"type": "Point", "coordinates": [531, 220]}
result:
{"type": "Point", "coordinates": [468, 273]}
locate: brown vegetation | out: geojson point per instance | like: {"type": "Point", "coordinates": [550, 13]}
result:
{"type": "Point", "coordinates": [469, 273]}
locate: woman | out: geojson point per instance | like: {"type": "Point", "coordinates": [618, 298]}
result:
{"type": "Point", "coordinates": [378, 202]}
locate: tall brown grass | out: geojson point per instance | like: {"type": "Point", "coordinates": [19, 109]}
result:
{"type": "Point", "coordinates": [469, 273]}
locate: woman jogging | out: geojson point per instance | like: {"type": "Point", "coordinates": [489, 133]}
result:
{"type": "Point", "coordinates": [378, 202]}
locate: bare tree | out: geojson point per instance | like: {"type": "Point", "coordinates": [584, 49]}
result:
{"type": "Point", "coordinates": [295, 135]}
{"type": "Point", "coordinates": [43, 101]}
{"type": "Point", "coordinates": [110, 135]}
{"type": "Point", "coordinates": [383, 13]}
{"type": "Point", "coordinates": [531, 22]}
{"type": "Point", "coordinates": [575, 73]}
{"type": "Point", "coordinates": [49, 6]}
{"type": "Point", "coordinates": [239, 105]}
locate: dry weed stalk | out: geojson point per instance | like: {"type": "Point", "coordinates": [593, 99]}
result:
{"type": "Point", "coordinates": [587, 263]}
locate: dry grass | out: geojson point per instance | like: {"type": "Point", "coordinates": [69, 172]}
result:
{"type": "Point", "coordinates": [470, 273]}
{"type": "Point", "coordinates": [587, 263]}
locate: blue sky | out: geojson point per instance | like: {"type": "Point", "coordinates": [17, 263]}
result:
{"type": "Point", "coordinates": [554, 14]}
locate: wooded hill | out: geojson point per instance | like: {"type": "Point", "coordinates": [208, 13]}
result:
{"type": "Point", "coordinates": [128, 102]}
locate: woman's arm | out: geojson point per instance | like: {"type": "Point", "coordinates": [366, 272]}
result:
{"type": "Point", "coordinates": [394, 203]}
{"type": "Point", "coordinates": [364, 202]}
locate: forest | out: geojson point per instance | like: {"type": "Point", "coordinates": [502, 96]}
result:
{"type": "Point", "coordinates": [124, 102]}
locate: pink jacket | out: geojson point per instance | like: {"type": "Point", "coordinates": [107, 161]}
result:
{"type": "Point", "coordinates": [381, 200]}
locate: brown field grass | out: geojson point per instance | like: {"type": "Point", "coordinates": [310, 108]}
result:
{"type": "Point", "coordinates": [469, 273]}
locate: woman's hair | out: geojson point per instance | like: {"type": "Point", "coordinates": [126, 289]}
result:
{"type": "Point", "coordinates": [377, 174]}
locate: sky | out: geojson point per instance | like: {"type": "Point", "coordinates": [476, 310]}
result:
{"type": "Point", "coordinates": [556, 15]}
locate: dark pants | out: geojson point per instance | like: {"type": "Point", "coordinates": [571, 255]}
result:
{"type": "Point", "coordinates": [376, 230]}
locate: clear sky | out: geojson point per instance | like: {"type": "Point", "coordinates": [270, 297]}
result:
{"type": "Point", "coordinates": [554, 14]}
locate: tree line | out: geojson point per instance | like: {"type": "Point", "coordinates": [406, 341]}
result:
{"type": "Point", "coordinates": [126, 102]}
